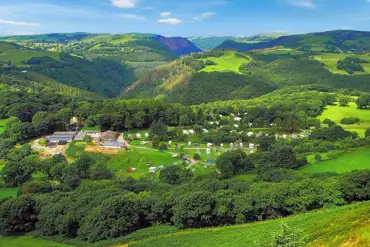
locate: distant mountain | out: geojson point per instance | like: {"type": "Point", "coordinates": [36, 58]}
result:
{"type": "Point", "coordinates": [180, 46]}
{"type": "Point", "coordinates": [331, 41]}
{"type": "Point", "coordinates": [211, 42]}
{"type": "Point", "coordinates": [208, 43]}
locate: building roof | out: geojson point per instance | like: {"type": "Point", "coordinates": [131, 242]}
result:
{"type": "Point", "coordinates": [112, 144]}
{"type": "Point", "coordinates": [109, 135]}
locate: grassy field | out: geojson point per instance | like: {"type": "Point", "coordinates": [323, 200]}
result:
{"type": "Point", "coordinates": [331, 59]}
{"type": "Point", "coordinates": [337, 113]}
{"type": "Point", "coordinates": [137, 158]}
{"type": "Point", "coordinates": [2, 125]}
{"type": "Point", "coordinates": [17, 56]}
{"type": "Point", "coordinates": [8, 192]}
{"type": "Point", "coordinates": [28, 241]}
{"type": "Point", "coordinates": [355, 160]}
{"type": "Point", "coordinates": [342, 226]}
{"type": "Point", "coordinates": [229, 62]}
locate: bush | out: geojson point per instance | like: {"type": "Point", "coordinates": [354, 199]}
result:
{"type": "Point", "coordinates": [367, 133]}
{"type": "Point", "coordinates": [350, 120]}
{"type": "Point", "coordinates": [196, 156]}
{"type": "Point", "coordinates": [162, 146]}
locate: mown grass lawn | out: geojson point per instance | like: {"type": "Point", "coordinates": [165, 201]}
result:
{"type": "Point", "coordinates": [337, 113]}
{"type": "Point", "coordinates": [329, 228]}
{"type": "Point", "coordinates": [28, 241]}
{"type": "Point", "coordinates": [229, 62]}
{"type": "Point", "coordinates": [355, 160]}
{"type": "Point", "coordinates": [137, 158]}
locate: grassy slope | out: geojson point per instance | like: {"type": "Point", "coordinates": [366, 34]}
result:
{"type": "Point", "coordinates": [2, 125]}
{"type": "Point", "coordinates": [336, 113]}
{"type": "Point", "coordinates": [17, 56]}
{"type": "Point", "coordinates": [353, 160]}
{"type": "Point", "coordinates": [343, 226]}
{"type": "Point", "coordinates": [28, 241]}
{"type": "Point", "coordinates": [228, 62]}
{"type": "Point", "coordinates": [331, 59]}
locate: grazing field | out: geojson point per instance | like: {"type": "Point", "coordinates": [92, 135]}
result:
{"type": "Point", "coordinates": [337, 113]}
{"type": "Point", "coordinates": [355, 160]}
{"type": "Point", "coordinates": [229, 62]}
{"type": "Point", "coordinates": [8, 192]}
{"type": "Point", "coordinates": [28, 241]}
{"type": "Point", "coordinates": [137, 158]}
{"type": "Point", "coordinates": [342, 226]}
{"type": "Point", "coordinates": [331, 59]}
{"type": "Point", "coordinates": [3, 122]}
{"type": "Point", "coordinates": [18, 56]}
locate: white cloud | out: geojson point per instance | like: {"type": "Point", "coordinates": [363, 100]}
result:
{"type": "Point", "coordinates": [165, 14]}
{"type": "Point", "coordinates": [170, 21]}
{"type": "Point", "coordinates": [19, 23]}
{"type": "Point", "coordinates": [133, 17]}
{"type": "Point", "coordinates": [204, 16]}
{"type": "Point", "coordinates": [124, 4]}
{"type": "Point", "coordinates": [308, 4]}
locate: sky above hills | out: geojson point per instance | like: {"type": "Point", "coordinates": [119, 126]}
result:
{"type": "Point", "coordinates": [182, 18]}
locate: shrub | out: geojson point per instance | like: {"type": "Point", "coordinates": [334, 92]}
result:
{"type": "Point", "coordinates": [350, 120]}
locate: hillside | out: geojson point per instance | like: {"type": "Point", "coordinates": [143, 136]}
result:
{"type": "Point", "coordinates": [62, 68]}
{"type": "Point", "coordinates": [345, 41]}
{"type": "Point", "coordinates": [199, 79]}
{"type": "Point", "coordinates": [344, 226]}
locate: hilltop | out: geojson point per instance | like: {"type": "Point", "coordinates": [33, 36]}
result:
{"type": "Point", "coordinates": [210, 43]}
{"type": "Point", "coordinates": [331, 41]}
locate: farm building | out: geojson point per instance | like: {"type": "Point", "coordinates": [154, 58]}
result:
{"type": "Point", "coordinates": [112, 144]}
{"type": "Point", "coordinates": [62, 137]}
{"type": "Point", "coordinates": [95, 135]}
{"type": "Point", "coordinates": [108, 136]}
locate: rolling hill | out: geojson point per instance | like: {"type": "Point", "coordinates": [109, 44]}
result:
{"type": "Point", "coordinates": [200, 78]}
{"type": "Point", "coordinates": [344, 226]}
{"type": "Point", "coordinates": [210, 43]}
{"type": "Point", "coordinates": [52, 68]}
{"type": "Point", "coordinates": [331, 41]}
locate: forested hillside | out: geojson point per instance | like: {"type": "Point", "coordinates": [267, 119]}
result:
{"type": "Point", "coordinates": [330, 41]}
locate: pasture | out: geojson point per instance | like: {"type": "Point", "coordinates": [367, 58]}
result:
{"type": "Point", "coordinates": [28, 241]}
{"type": "Point", "coordinates": [347, 162]}
{"type": "Point", "coordinates": [8, 192]}
{"type": "Point", "coordinates": [19, 56]}
{"type": "Point", "coordinates": [336, 113]}
{"type": "Point", "coordinates": [3, 123]}
{"type": "Point", "coordinates": [331, 59]}
{"type": "Point", "coordinates": [229, 62]}
{"type": "Point", "coordinates": [330, 227]}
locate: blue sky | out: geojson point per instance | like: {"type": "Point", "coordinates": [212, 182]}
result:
{"type": "Point", "coordinates": [182, 17]}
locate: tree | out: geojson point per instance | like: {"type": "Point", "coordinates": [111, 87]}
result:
{"type": "Point", "coordinates": [36, 187]}
{"type": "Point", "coordinates": [363, 101]}
{"type": "Point", "coordinates": [367, 133]}
{"type": "Point", "coordinates": [100, 171]}
{"type": "Point", "coordinates": [88, 139]}
{"type": "Point", "coordinates": [355, 186]}
{"type": "Point", "coordinates": [155, 141]}
{"type": "Point", "coordinates": [174, 175]}
{"type": "Point", "coordinates": [139, 119]}
{"type": "Point", "coordinates": [194, 209]}
{"type": "Point", "coordinates": [83, 164]}
{"type": "Point", "coordinates": [266, 142]}
{"type": "Point", "coordinates": [196, 156]}
{"type": "Point", "coordinates": [329, 122]}
{"type": "Point", "coordinates": [18, 215]}
{"type": "Point", "coordinates": [344, 100]}
{"type": "Point", "coordinates": [233, 162]}
{"type": "Point", "coordinates": [159, 129]}
{"type": "Point", "coordinates": [117, 216]}
{"type": "Point", "coordinates": [71, 182]}
{"type": "Point", "coordinates": [283, 157]}
{"type": "Point", "coordinates": [16, 173]}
